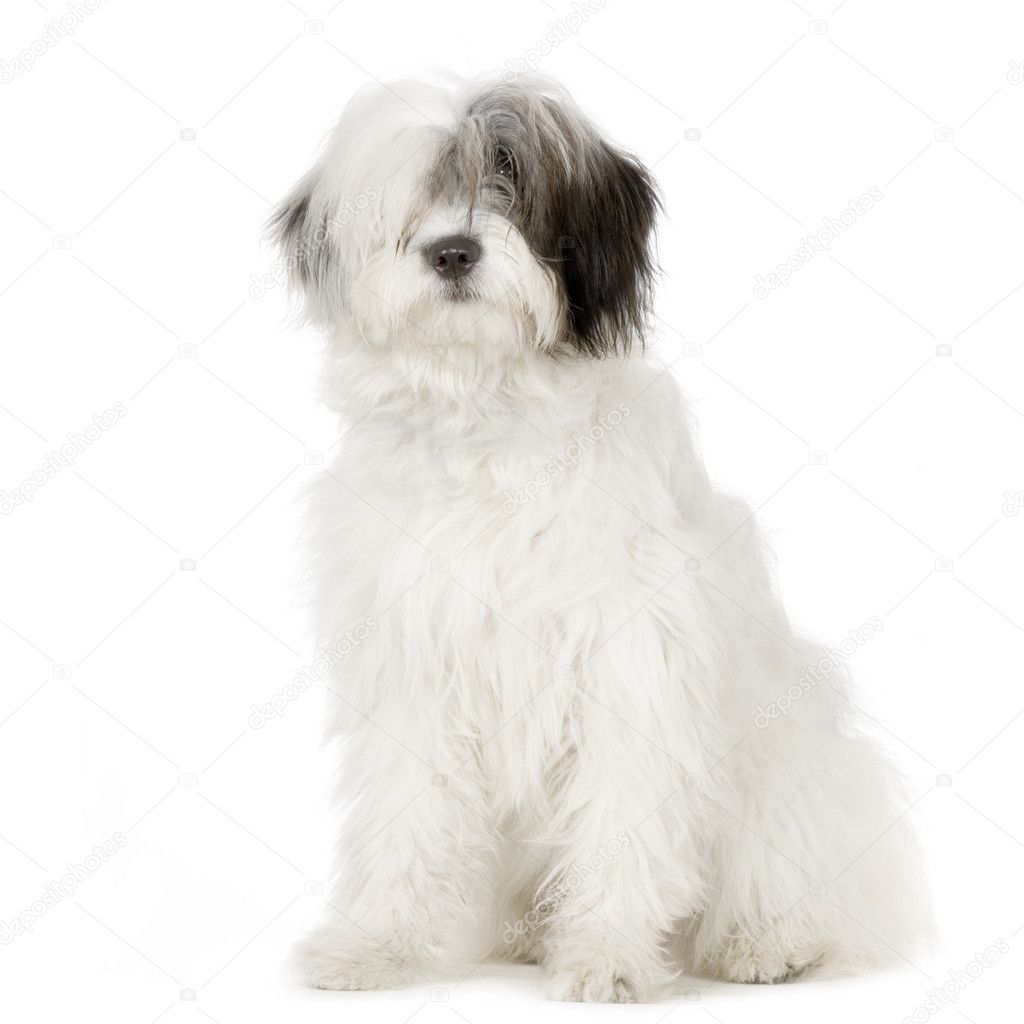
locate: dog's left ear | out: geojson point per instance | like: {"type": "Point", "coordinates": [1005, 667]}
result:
{"type": "Point", "coordinates": [304, 228]}
{"type": "Point", "coordinates": [606, 252]}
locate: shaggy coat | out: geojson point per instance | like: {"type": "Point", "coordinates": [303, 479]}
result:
{"type": "Point", "coordinates": [580, 729]}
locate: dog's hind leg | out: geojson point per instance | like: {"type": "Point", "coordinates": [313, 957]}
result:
{"type": "Point", "coordinates": [815, 865]}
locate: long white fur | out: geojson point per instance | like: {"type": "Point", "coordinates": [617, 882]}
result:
{"type": "Point", "coordinates": [551, 751]}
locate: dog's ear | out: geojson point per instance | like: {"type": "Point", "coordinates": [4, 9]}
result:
{"type": "Point", "coordinates": [606, 251]}
{"type": "Point", "coordinates": [304, 228]}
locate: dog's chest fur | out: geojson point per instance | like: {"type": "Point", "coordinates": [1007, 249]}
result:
{"type": "Point", "coordinates": [493, 538]}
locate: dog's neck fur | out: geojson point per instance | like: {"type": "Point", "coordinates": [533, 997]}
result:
{"type": "Point", "coordinates": [411, 379]}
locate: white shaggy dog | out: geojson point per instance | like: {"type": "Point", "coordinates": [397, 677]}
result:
{"type": "Point", "coordinates": [580, 729]}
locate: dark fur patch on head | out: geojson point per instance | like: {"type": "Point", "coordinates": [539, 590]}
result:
{"type": "Point", "coordinates": [584, 207]}
{"type": "Point", "coordinates": [607, 217]}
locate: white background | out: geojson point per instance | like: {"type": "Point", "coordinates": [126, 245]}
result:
{"type": "Point", "coordinates": [872, 409]}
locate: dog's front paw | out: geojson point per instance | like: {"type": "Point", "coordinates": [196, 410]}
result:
{"type": "Point", "coordinates": [759, 962]}
{"type": "Point", "coordinates": [330, 960]}
{"type": "Point", "coordinates": [597, 978]}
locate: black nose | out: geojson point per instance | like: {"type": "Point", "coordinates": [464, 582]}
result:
{"type": "Point", "coordinates": [453, 256]}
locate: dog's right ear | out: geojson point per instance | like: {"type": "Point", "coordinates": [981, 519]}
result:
{"type": "Point", "coordinates": [304, 228]}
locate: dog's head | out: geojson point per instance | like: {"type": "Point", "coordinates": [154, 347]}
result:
{"type": "Point", "coordinates": [442, 213]}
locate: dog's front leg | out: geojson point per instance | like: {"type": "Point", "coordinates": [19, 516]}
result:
{"type": "Point", "coordinates": [628, 870]}
{"type": "Point", "coordinates": [411, 867]}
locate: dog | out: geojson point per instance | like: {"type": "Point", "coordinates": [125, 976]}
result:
{"type": "Point", "coordinates": [579, 729]}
